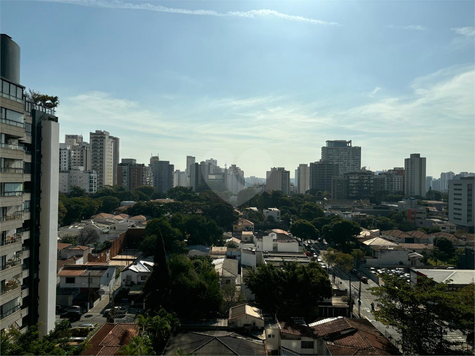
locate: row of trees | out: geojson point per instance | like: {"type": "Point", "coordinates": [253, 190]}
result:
{"type": "Point", "coordinates": [423, 314]}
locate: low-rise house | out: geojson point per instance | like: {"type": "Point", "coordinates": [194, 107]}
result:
{"type": "Point", "coordinates": [243, 225]}
{"type": "Point", "coordinates": [456, 278]}
{"type": "Point", "coordinates": [415, 247]}
{"type": "Point", "coordinates": [247, 236]}
{"type": "Point", "coordinates": [272, 212]}
{"type": "Point", "coordinates": [86, 277]}
{"type": "Point", "coordinates": [227, 270]}
{"type": "Point", "coordinates": [216, 342]}
{"type": "Point", "coordinates": [110, 338]}
{"type": "Point", "coordinates": [344, 336]}
{"type": "Point", "coordinates": [218, 252]}
{"type": "Point", "coordinates": [245, 316]}
{"type": "Point", "coordinates": [137, 273]}
{"type": "Point", "coordinates": [297, 338]}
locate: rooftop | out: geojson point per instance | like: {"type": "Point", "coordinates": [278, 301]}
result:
{"type": "Point", "coordinates": [456, 276]}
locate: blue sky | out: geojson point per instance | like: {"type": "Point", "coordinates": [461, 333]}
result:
{"type": "Point", "coordinates": [258, 83]}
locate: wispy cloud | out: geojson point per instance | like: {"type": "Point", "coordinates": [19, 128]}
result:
{"type": "Point", "coordinates": [464, 31]}
{"type": "Point", "coordinates": [438, 108]}
{"type": "Point", "coordinates": [409, 27]}
{"type": "Point", "coordinates": [375, 90]}
{"type": "Point", "coordinates": [252, 14]}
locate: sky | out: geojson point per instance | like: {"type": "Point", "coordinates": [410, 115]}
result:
{"type": "Point", "coordinates": [259, 84]}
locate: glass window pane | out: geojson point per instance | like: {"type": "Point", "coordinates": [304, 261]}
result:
{"type": "Point", "coordinates": [13, 89]}
{"type": "Point", "coordinates": [19, 93]}
{"type": "Point", "coordinates": [5, 87]}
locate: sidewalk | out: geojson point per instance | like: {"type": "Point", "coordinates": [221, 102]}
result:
{"type": "Point", "coordinates": [103, 303]}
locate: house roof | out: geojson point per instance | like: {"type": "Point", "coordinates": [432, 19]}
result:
{"type": "Point", "coordinates": [218, 250]}
{"type": "Point", "coordinates": [109, 339]}
{"type": "Point", "coordinates": [138, 218]}
{"type": "Point", "coordinates": [62, 245]}
{"type": "Point", "coordinates": [378, 241]}
{"type": "Point", "coordinates": [244, 309]}
{"type": "Point", "coordinates": [79, 247]}
{"type": "Point", "coordinates": [457, 276]}
{"type": "Point", "coordinates": [102, 216]}
{"type": "Point", "coordinates": [83, 270]}
{"type": "Point", "coordinates": [345, 336]}
{"type": "Point", "coordinates": [395, 233]}
{"type": "Point", "coordinates": [418, 234]}
{"type": "Point", "coordinates": [141, 267]}
{"type": "Point", "coordinates": [292, 328]}
{"type": "Point", "coordinates": [244, 222]}
{"type": "Point", "coordinates": [226, 267]}
{"type": "Point", "coordinates": [414, 246]}
{"type": "Point", "coordinates": [214, 343]}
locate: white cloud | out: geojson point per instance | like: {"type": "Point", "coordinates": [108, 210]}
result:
{"type": "Point", "coordinates": [464, 31]}
{"type": "Point", "coordinates": [409, 27]}
{"type": "Point", "coordinates": [436, 118]}
{"type": "Point", "coordinates": [252, 14]}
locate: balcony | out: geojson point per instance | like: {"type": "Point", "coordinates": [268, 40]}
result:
{"type": "Point", "coordinates": [8, 317]}
{"type": "Point", "coordinates": [12, 244]}
{"type": "Point", "coordinates": [25, 291]}
{"type": "Point", "coordinates": [12, 221]}
{"type": "Point", "coordinates": [10, 271]}
{"type": "Point", "coordinates": [12, 151]}
{"type": "Point", "coordinates": [11, 198]}
{"type": "Point", "coordinates": [10, 175]}
{"type": "Point", "coordinates": [12, 128]}
{"type": "Point", "coordinates": [11, 291]}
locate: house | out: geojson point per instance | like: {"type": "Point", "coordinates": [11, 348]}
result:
{"type": "Point", "coordinates": [297, 338]}
{"type": "Point", "coordinates": [227, 270]}
{"type": "Point", "coordinates": [216, 342]}
{"type": "Point", "coordinates": [137, 273]}
{"type": "Point", "coordinates": [247, 236]}
{"type": "Point", "coordinates": [344, 336]}
{"type": "Point", "coordinates": [243, 225]}
{"type": "Point", "coordinates": [88, 277]}
{"type": "Point", "coordinates": [272, 212]}
{"type": "Point", "coordinates": [198, 250]}
{"type": "Point", "coordinates": [456, 278]}
{"type": "Point", "coordinates": [245, 316]}
{"type": "Point", "coordinates": [218, 252]}
{"type": "Point", "coordinates": [110, 338]}
{"type": "Point", "coordinates": [417, 247]}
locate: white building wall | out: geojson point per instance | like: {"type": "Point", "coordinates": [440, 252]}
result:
{"type": "Point", "coordinates": [248, 258]}
{"type": "Point", "coordinates": [268, 243]}
{"type": "Point", "coordinates": [48, 226]}
{"type": "Point", "coordinates": [287, 246]}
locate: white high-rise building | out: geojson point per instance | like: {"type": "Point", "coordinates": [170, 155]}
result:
{"type": "Point", "coordinates": [180, 179]}
{"type": "Point", "coordinates": [104, 155]}
{"type": "Point", "coordinates": [461, 199]}
{"type": "Point", "coordinates": [415, 175]}
{"type": "Point", "coordinates": [342, 152]}
{"type": "Point", "coordinates": [234, 177]}
{"type": "Point", "coordinates": [29, 167]}
{"type": "Point", "coordinates": [444, 180]}
{"type": "Point", "coordinates": [302, 178]}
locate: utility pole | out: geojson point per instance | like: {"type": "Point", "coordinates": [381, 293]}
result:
{"type": "Point", "coordinates": [89, 291]}
{"type": "Point", "coordinates": [359, 301]}
{"type": "Point", "coordinates": [351, 297]}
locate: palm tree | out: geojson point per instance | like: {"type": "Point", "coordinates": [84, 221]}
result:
{"type": "Point", "coordinates": [138, 345]}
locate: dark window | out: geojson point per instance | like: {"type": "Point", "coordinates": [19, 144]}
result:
{"type": "Point", "coordinates": [70, 280]}
{"type": "Point", "coordinates": [307, 345]}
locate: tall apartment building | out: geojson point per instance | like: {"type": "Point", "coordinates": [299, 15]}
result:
{"type": "Point", "coordinates": [162, 172]}
{"type": "Point", "coordinates": [75, 164]}
{"type": "Point", "coordinates": [461, 199]}
{"type": "Point", "coordinates": [196, 175]}
{"type": "Point", "coordinates": [392, 183]}
{"type": "Point", "coordinates": [428, 183]}
{"type": "Point", "coordinates": [342, 152]}
{"type": "Point", "coordinates": [356, 185]}
{"type": "Point", "coordinates": [29, 166]}
{"type": "Point", "coordinates": [190, 161]}
{"type": "Point", "coordinates": [131, 174]}
{"type": "Point", "coordinates": [234, 179]}
{"type": "Point", "coordinates": [302, 178]}
{"type": "Point", "coordinates": [180, 179]}
{"type": "Point", "coordinates": [415, 175]}
{"type": "Point", "coordinates": [321, 175]}
{"type": "Point", "coordinates": [278, 179]}
{"type": "Point", "coordinates": [104, 157]}
{"type": "Point", "coordinates": [445, 177]}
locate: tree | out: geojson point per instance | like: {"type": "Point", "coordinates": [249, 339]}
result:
{"type": "Point", "coordinates": [61, 212]}
{"type": "Point", "coordinates": [109, 203]}
{"type": "Point", "coordinates": [157, 328]}
{"type": "Point", "coordinates": [289, 290]}
{"type": "Point", "coordinates": [147, 246]}
{"type": "Point", "coordinates": [334, 258]}
{"type": "Point", "coordinates": [88, 236]}
{"type": "Point", "coordinates": [443, 249]}
{"type": "Point", "coordinates": [161, 228]}
{"type": "Point", "coordinates": [14, 342]}
{"type": "Point", "coordinates": [310, 211]}
{"type": "Point", "coordinates": [147, 190]}
{"type": "Point", "coordinates": [138, 345]}
{"type": "Point", "coordinates": [342, 233]}
{"type": "Point", "coordinates": [383, 223]}
{"type": "Point", "coordinates": [304, 230]}
{"type": "Point", "coordinates": [77, 192]}
{"type": "Point", "coordinates": [422, 314]}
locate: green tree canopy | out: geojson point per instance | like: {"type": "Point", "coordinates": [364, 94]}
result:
{"type": "Point", "coordinates": [443, 248]}
{"type": "Point", "coordinates": [77, 192]}
{"type": "Point", "coordinates": [424, 313]}
{"type": "Point", "coordinates": [304, 230]}
{"type": "Point", "coordinates": [108, 203]}
{"type": "Point", "coordinates": [342, 234]}
{"type": "Point", "coordinates": [310, 211]}
{"type": "Point", "coordinates": [289, 290]}
{"type": "Point", "coordinates": [161, 227]}
{"type": "Point", "coordinates": [147, 190]}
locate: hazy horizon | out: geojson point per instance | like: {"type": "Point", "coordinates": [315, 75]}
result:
{"type": "Point", "coordinates": [258, 84]}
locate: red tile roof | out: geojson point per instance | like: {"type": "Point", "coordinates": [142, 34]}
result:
{"type": "Point", "coordinates": [109, 339]}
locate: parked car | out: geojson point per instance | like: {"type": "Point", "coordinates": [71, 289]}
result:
{"type": "Point", "coordinates": [72, 315]}
{"type": "Point", "coordinates": [364, 279]}
{"type": "Point", "coordinates": [354, 271]}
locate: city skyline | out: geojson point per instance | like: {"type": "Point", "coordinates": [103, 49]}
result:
{"type": "Point", "coordinates": [258, 84]}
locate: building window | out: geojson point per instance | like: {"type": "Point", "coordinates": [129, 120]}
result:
{"type": "Point", "coordinates": [70, 280]}
{"type": "Point", "coordinates": [307, 345]}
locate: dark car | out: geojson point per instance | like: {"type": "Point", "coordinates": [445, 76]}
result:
{"type": "Point", "coordinates": [72, 315]}
{"type": "Point", "coordinates": [354, 271]}
{"type": "Point", "coordinates": [364, 279]}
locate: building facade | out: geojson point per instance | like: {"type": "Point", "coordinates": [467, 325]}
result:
{"type": "Point", "coordinates": [103, 156]}
{"type": "Point", "coordinates": [415, 175]}
{"type": "Point", "coordinates": [302, 178]}
{"type": "Point", "coordinates": [342, 152]}
{"type": "Point", "coordinates": [162, 172]}
{"type": "Point", "coordinates": [321, 174]}
{"type": "Point", "coordinates": [29, 173]}
{"type": "Point", "coordinates": [461, 198]}
{"type": "Point", "coordinates": [278, 179]}
{"type": "Point", "coordinates": [130, 174]}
